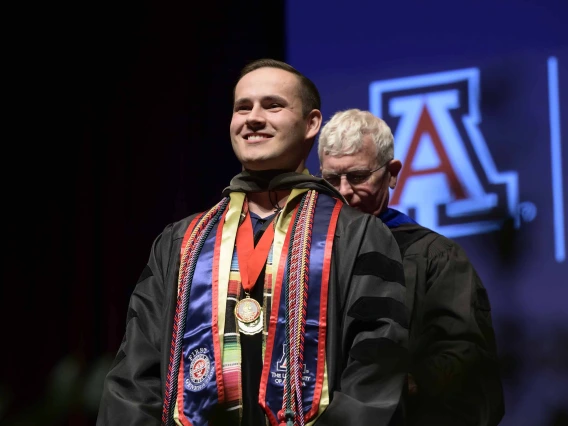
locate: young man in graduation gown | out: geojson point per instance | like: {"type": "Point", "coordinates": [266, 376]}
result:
{"type": "Point", "coordinates": [280, 305]}
{"type": "Point", "coordinates": [453, 377]}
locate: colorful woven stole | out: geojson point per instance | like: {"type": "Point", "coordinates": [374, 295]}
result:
{"type": "Point", "coordinates": [232, 346]}
{"type": "Point", "coordinates": [205, 361]}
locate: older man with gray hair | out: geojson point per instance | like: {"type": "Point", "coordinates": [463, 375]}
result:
{"type": "Point", "coordinates": [453, 375]}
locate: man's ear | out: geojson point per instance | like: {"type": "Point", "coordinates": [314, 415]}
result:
{"type": "Point", "coordinates": [313, 124]}
{"type": "Point", "coordinates": [394, 167]}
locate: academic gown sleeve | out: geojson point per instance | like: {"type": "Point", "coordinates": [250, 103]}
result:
{"type": "Point", "coordinates": [455, 356]}
{"type": "Point", "coordinates": [132, 392]}
{"type": "Point", "coordinates": [369, 364]}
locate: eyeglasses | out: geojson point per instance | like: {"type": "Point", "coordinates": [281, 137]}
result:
{"type": "Point", "coordinates": [356, 177]}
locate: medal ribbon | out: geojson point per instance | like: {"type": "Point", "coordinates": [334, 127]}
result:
{"type": "Point", "coordinates": [252, 259]}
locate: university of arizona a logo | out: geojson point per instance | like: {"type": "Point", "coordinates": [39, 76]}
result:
{"type": "Point", "coordinates": [279, 375]}
{"type": "Point", "coordinates": [449, 181]}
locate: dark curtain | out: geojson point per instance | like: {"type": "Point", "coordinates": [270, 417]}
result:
{"type": "Point", "coordinates": [125, 109]}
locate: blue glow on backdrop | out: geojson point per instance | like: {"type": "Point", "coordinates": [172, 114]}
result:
{"type": "Point", "coordinates": [477, 97]}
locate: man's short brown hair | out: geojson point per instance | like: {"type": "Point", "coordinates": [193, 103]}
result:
{"type": "Point", "coordinates": [308, 91]}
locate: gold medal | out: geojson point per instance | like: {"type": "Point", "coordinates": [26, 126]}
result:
{"type": "Point", "coordinates": [247, 310]}
{"type": "Point", "coordinates": [252, 259]}
{"type": "Point", "coordinates": [249, 316]}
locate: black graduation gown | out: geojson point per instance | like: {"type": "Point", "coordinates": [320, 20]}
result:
{"type": "Point", "coordinates": [367, 333]}
{"type": "Point", "coordinates": [451, 342]}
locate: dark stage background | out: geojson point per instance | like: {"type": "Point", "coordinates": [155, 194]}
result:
{"type": "Point", "coordinates": [121, 126]}
{"type": "Point", "coordinates": [125, 110]}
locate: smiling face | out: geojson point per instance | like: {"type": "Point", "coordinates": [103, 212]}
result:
{"type": "Point", "coordinates": [269, 130]}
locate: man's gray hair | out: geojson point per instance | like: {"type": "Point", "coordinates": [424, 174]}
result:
{"type": "Point", "coordinates": [343, 134]}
